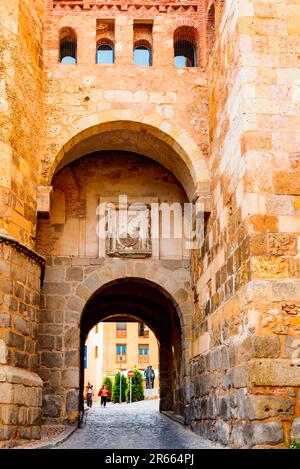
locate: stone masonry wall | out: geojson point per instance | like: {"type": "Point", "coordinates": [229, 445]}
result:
{"type": "Point", "coordinates": [246, 371]}
{"type": "Point", "coordinates": [20, 386]}
{"type": "Point", "coordinates": [21, 104]}
{"type": "Point", "coordinates": [21, 117]}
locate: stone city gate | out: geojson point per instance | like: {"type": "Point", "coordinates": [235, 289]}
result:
{"type": "Point", "coordinates": [85, 293]}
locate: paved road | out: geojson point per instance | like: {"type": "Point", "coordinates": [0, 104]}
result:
{"type": "Point", "coordinates": [132, 426]}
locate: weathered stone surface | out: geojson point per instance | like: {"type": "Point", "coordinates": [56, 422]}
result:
{"type": "Point", "coordinates": [70, 378]}
{"type": "Point", "coordinates": [238, 437]}
{"type": "Point", "coordinates": [72, 402]}
{"type": "Point", "coordinates": [287, 183]}
{"type": "Point", "coordinates": [292, 347]}
{"type": "Point", "coordinates": [52, 359]}
{"type": "Point", "coordinates": [295, 432]}
{"type": "Point", "coordinates": [72, 358]}
{"type": "Point", "coordinates": [222, 432]}
{"type": "Point", "coordinates": [74, 274]}
{"type": "Point", "coordinates": [19, 376]}
{"type": "Point", "coordinates": [261, 407]}
{"type": "Point", "coordinates": [52, 406]}
{"type": "Point", "coordinates": [71, 338]}
{"type": "Point", "coordinates": [266, 346]}
{"type": "Point", "coordinates": [267, 372]}
{"type": "Point", "coordinates": [270, 433]}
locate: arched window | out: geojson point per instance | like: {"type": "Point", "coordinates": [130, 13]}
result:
{"type": "Point", "coordinates": [142, 54]}
{"type": "Point", "coordinates": [210, 30]}
{"type": "Point", "coordinates": [105, 52]}
{"type": "Point", "coordinates": [185, 51]}
{"type": "Point", "coordinates": [67, 46]}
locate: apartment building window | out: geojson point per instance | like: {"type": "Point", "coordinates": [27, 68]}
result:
{"type": "Point", "coordinates": [143, 330]}
{"type": "Point", "coordinates": [121, 350]}
{"type": "Point", "coordinates": [67, 46]}
{"type": "Point", "coordinates": [105, 34]}
{"type": "Point", "coordinates": [96, 351]}
{"type": "Point", "coordinates": [121, 330]}
{"type": "Point", "coordinates": [143, 353]}
{"type": "Point", "coordinates": [96, 329]}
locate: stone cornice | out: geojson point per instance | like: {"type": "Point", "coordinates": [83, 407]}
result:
{"type": "Point", "coordinates": [30, 253]}
{"type": "Point", "coordinates": [109, 6]}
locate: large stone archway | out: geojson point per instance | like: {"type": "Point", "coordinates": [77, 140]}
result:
{"type": "Point", "coordinates": [135, 298]}
{"type": "Point", "coordinates": [170, 146]}
{"type": "Point", "coordinates": [79, 289]}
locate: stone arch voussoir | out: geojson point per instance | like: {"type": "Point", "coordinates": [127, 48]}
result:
{"type": "Point", "coordinates": [119, 119]}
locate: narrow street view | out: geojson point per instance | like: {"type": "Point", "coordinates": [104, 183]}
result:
{"type": "Point", "coordinates": [132, 426]}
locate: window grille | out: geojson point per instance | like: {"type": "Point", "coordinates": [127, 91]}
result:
{"type": "Point", "coordinates": [142, 40]}
{"type": "Point", "coordinates": [185, 47]}
{"type": "Point", "coordinates": [68, 46]}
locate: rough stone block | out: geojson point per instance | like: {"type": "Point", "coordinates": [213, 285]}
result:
{"type": "Point", "coordinates": [72, 358]}
{"type": "Point", "coordinates": [72, 402]}
{"type": "Point", "coordinates": [72, 339]}
{"type": "Point", "coordinates": [261, 407]}
{"type": "Point", "coordinates": [52, 359]}
{"type": "Point", "coordinates": [276, 372]}
{"type": "Point", "coordinates": [295, 432]}
{"type": "Point", "coordinates": [238, 437]}
{"type": "Point", "coordinates": [52, 406]}
{"type": "Point", "coordinates": [292, 347]}
{"type": "Point", "coordinates": [74, 274]}
{"type": "Point", "coordinates": [266, 346]}
{"type": "Point", "coordinates": [270, 433]}
{"type": "Point", "coordinates": [240, 375]}
{"type": "Point", "coordinates": [222, 432]}
{"type": "Point", "coordinates": [70, 378]}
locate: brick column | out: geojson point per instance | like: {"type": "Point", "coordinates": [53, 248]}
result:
{"type": "Point", "coordinates": [86, 43]}
{"type": "Point", "coordinates": [163, 47]}
{"type": "Point", "coordinates": [123, 40]}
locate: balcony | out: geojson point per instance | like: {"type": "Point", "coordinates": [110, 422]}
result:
{"type": "Point", "coordinates": [143, 358]}
{"type": "Point", "coordinates": [121, 359]}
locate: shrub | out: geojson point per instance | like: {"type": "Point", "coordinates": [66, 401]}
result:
{"type": "Point", "coordinates": [116, 388]}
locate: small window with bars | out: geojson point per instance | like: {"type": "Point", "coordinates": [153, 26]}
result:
{"type": "Point", "coordinates": [105, 34]}
{"type": "Point", "coordinates": [185, 47]}
{"type": "Point", "coordinates": [142, 40]}
{"type": "Point", "coordinates": [67, 46]}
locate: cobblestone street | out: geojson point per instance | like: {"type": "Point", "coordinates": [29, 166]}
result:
{"type": "Point", "coordinates": [135, 426]}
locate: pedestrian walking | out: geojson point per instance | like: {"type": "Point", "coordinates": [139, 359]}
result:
{"type": "Point", "coordinates": [89, 394]}
{"type": "Point", "coordinates": [104, 393]}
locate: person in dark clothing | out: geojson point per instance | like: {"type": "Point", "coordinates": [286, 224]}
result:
{"type": "Point", "coordinates": [104, 393]}
{"type": "Point", "coordinates": [89, 394]}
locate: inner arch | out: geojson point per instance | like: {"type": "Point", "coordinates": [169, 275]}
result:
{"type": "Point", "coordinates": [144, 301]}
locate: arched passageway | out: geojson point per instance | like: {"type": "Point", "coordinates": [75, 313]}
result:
{"type": "Point", "coordinates": [142, 300]}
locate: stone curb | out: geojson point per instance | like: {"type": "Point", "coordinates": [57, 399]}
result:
{"type": "Point", "coordinates": [56, 441]}
{"type": "Point", "coordinates": [179, 420]}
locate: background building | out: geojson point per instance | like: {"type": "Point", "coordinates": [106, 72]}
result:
{"type": "Point", "coordinates": [112, 347]}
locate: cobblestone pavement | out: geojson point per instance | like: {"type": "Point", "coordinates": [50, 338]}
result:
{"type": "Point", "coordinates": [132, 426]}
